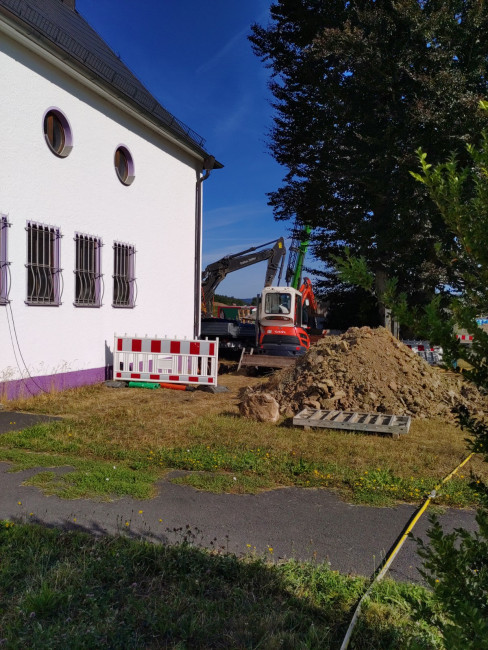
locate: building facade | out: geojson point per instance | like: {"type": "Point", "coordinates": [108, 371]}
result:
{"type": "Point", "coordinates": [100, 204]}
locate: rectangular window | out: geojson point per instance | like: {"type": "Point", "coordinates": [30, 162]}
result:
{"type": "Point", "coordinates": [124, 276]}
{"type": "Point", "coordinates": [4, 263]}
{"type": "Point", "coordinates": [277, 303]}
{"type": "Point", "coordinates": [43, 270]}
{"type": "Point", "coordinates": [88, 279]}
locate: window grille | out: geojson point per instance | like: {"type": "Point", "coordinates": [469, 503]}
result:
{"type": "Point", "coordinates": [4, 263]}
{"type": "Point", "coordinates": [124, 275]}
{"type": "Point", "coordinates": [88, 278]}
{"type": "Point", "coordinates": [43, 270]}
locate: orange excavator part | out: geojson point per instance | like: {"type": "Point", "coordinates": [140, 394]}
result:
{"type": "Point", "coordinates": [307, 292]}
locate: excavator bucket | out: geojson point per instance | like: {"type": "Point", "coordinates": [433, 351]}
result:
{"type": "Point", "coordinates": [250, 360]}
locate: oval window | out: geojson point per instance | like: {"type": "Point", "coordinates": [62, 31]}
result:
{"type": "Point", "coordinates": [124, 165]}
{"type": "Point", "coordinates": [57, 133]}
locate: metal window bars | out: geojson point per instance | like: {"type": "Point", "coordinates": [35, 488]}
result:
{"type": "Point", "coordinates": [124, 287]}
{"type": "Point", "coordinates": [88, 278]}
{"type": "Point", "coordinates": [4, 263]}
{"type": "Point", "coordinates": [43, 269]}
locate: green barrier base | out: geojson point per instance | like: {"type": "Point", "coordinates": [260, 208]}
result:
{"type": "Point", "coordinates": [143, 384]}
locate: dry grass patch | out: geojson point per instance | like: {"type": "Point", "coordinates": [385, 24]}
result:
{"type": "Point", "coordinates": [135, 418]}
{"type": "Point", "coordinates": [153, 431]}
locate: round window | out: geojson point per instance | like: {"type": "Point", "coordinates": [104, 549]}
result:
{"type": "Point", "coordinates": [124, 165]}
{"type": "Point", "coordinates": [57, 133]}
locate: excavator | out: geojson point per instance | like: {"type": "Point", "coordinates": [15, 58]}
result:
{"type": "Point", "coordinates": [214, 273]}
{"type": "Point", "coordinates": [285, 315]}
{"type": "Point", "coordinates": [233, 334]}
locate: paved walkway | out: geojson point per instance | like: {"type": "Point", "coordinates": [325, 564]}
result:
{"type": "Point", "coordinates": [298, 523]}
{"type": "Point", "coordinates": [14, 421]}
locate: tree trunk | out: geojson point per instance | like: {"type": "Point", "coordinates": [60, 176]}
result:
{"type": "Point", "coordinates": [386, 318]}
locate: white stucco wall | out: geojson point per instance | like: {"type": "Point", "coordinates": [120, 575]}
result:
{"type": "Point", "coordinates": [81, 193]}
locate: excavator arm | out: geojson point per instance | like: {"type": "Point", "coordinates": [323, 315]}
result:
{"type": "Point", "coordinates": [214, 273]}
{"type": "Point", "coordinates": [298, 250]}
{"type": "Point", "coordinates": [308, 294]}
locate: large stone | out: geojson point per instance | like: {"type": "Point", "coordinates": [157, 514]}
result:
{"type": "Point", "coordinates": [115, 384]}
{"type": "Point", "coordinates": [312, 403]}
{"type": "Point", "coordinates": [211, 389]}
{"type": "Point", "coordinates": [261, 407]}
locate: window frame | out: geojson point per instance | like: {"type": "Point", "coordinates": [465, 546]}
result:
{"type": "Point", "coordinates": [271, 309]}
{"type": "Point", "coordinates": [88, 253]}
{"type": "Point", "coordinates": [67, 144]}
{"type": "Point", "coordinates": [124, 278]}
{"type": "Point", "coordinates": [127, 178]}
{"type": "Point", "coordinates": [47, 276]}
{"type": "Point", "coordinates": [4, 262]}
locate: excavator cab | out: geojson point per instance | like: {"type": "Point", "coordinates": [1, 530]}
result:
{"type": "Point", "coordinates": [280, 319]}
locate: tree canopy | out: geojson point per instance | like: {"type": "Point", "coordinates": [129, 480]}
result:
{"type": "Point", "coordinates": [358, 86]}
{"type": "Point", "coordinates": [228, 300]}
{"type": "Point", "coordinates": [455, 564]}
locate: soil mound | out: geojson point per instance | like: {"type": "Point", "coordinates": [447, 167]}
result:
{"type": "Point", "coordinates": [368, 370]}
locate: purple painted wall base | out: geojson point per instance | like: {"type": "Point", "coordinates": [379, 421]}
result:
{"type": "Point", "coordinates": [50, 383]}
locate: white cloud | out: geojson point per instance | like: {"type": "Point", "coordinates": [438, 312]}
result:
{"type": "Point", "coordinates": [229, 215]}
{"type": "Point", "coordinates": [235, 120]}
{"type": "Point", "coordinates": [224, 51]}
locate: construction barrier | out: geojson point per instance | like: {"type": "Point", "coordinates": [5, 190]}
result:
{"type": "Point", "coordinates": [430, 353]}
{"type": "Point", "coordinates": [166, 360]}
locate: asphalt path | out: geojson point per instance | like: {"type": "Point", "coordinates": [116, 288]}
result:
{"type": "Point", "coordinates": [15, 421]}
{"type": "Point", "coordinates": [306, 524]}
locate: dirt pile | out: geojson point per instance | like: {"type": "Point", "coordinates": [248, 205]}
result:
{"type": "Point", "coordinates": [368, 370]}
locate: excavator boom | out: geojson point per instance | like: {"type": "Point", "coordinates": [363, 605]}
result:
{"type": "Point", "coordinates": [298, 250]}
{"type": "Point", "coordinates": [214, 273]}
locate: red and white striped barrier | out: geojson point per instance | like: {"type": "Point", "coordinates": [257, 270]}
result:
{"type": "Point", "coordinates": [166, 360]}
{"type": "Point", "coordinates": [430, 353]}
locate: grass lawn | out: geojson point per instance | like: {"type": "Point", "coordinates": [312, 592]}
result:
{"type": "Point", "coordinates": [70, 590]}
{"type": "Point", "coordinates": [135, 436]}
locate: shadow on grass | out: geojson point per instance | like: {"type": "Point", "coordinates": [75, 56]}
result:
{"type": "Point", "coordinates": [231, 415]}
{"type": "Point", "coordinates": [60, 587]}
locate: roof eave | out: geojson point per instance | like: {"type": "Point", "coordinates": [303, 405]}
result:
{"type": "Point", "coordinates": [64, 58]}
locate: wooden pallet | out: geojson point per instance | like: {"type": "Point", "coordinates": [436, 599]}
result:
{"type": "Point", "coordinates": [353, 421]}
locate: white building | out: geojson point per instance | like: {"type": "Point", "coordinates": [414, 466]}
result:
{"type": "Point", "coordinates": [100, 204]}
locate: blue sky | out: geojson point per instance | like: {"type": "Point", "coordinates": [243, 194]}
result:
{"type": "Point", "coordinates": [195, 58]}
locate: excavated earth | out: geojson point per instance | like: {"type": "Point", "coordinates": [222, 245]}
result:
{"type": "Point", "coordinates": [362, 370]}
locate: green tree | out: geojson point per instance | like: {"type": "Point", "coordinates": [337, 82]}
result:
{"type": "Point", "coordinates": [358, 86]}
{"type": "Point", "coordinates": [456, 564]}
{"type": "Point", "coordinates": [228, 300]}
